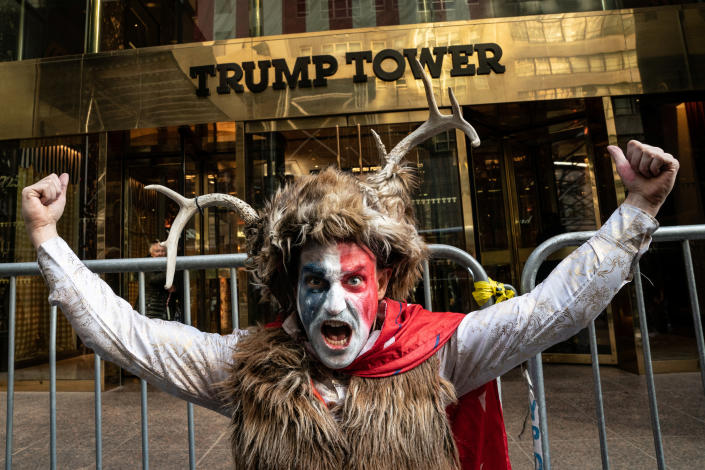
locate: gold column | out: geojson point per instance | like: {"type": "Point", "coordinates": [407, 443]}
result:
{"type": "Point", "coordinates": [20, 32]}
{"type": "Point", "coordinates": [464, 169]}
{"type": "Point", "coordinates": [91, 38]}
{"type": "Point", "coordinates": [612, 139]}
{"type": "Point", "coordinates": [255, 18]}
{"type": "Point", "coordinates": [241, 192]}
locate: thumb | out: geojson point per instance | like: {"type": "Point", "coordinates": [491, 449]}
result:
{"type": "Point", "coordinates": [614, 151]}
{"type": "Point", "coordinates": [64, 180]}
{"type": "Point", "coordinates": [64, 183]}
{"type": "Point", "coordinates": [620, 161]}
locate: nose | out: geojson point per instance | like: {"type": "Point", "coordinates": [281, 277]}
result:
{"type": "Point", "coordinates": [335, 300]}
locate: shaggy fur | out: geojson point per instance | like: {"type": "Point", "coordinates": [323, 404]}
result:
{"type": "Point", "coordinates": [393, 189]}
{"type": "Point", "coordinates": [396, 422]}
{"type": "Point", "coordinates": [334, 206]}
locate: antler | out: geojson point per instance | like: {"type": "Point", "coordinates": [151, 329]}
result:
{"type": "Point", "coordinates": [187, 208]}
{"type": "Point", "coordinates": [435, 124]}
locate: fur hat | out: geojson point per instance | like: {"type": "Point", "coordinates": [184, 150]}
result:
{"type": "Point", "coordinates": [335, 206]}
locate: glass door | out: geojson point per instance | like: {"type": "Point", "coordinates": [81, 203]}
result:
{"type": "Point", "coordinates": [533, 179]}
{"type": "Point", "coordinates": [191, 160]}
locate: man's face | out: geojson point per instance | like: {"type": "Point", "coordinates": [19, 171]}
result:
{"type": "Point", "coordinates": [337, 296]}
{"type": "Point", "coordinates": [156, 250]}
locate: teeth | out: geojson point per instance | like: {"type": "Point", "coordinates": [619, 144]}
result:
{"type": "Point", "coordinates": [335, 323]}
{"type": "Point", "coordinates": [334, 342]}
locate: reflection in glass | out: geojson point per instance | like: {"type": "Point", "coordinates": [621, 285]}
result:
{"type": "Point", "coordinates": [51, 28]}
{"type": "Point", "coordinates": [136, 23]}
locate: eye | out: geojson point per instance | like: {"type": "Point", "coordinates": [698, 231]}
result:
{"type": "Point", "coordinates": [314, 282]}
{"type": "Point", "coordinates": [355, 281]}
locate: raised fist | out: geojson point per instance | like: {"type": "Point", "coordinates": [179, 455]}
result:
{"type": "Point", "coordinates": [42, 206]}
{"type": "Point", "coordinates": [648, 173]}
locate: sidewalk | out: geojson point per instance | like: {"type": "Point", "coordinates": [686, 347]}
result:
{"type": "Point", "coordinates": [571, 421]}
{"type": "Point", "coordinates": [572, 427]}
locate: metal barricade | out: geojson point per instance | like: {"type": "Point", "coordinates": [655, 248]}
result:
{"type": "Point", "coordinates": [140, 266]}
{"type": "Point", "coordinates": [683, 234]}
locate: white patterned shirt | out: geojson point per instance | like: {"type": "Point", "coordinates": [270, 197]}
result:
{"type": "Point", "coordinates": [189, 363]}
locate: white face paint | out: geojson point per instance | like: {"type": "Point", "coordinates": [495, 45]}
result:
{"type": "Point", "coordinates": [337, 298]}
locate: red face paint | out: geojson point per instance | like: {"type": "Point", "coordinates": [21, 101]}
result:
{"type": "Point", "coordinates": [359, 269]}
{"type": "Point", "coordinates": [337, 300]}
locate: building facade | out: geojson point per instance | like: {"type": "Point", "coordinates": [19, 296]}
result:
{"type": "Point", "coordinates": [240, 96]}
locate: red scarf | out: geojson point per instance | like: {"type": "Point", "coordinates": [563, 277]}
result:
{"type": "Point", "coordinates": [410, 335]}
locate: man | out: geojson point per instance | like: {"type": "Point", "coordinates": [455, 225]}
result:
{"type": "Point", "coordinates": [351, 378]}
{"type": "Point", "coordinates": [159, 302]}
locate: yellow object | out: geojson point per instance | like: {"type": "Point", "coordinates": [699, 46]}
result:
{"type": "Point", "coordinates": [484, 290]}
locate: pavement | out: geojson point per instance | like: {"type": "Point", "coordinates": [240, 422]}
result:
{"type": "Point", "coordinates": [572, 426]}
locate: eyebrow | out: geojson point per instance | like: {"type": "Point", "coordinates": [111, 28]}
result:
{"type": "Point", "coordinates": [313, 268]}
{"type": "Point", "coordinates": [356, 269]}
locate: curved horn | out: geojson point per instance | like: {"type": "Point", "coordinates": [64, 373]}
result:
{"type": "Point", "coordinates": [187, 208]}
{"type": "Point", "coordinates": [381, 149]}
{"type": "Point", "coordinates": [435, 124]}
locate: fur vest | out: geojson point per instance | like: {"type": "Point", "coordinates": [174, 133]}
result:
{"type": "Point", "coordinates": [396, 422]}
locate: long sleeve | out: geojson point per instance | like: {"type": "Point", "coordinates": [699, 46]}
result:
{"type": "Point", "coordinates": [175, 357]}
{"type": "Point", "coordinates": [492, 341]}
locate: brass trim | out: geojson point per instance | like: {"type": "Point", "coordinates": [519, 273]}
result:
{"type": "Point", "coordinates": [241, 192]}
{"type": "Point", "coordinates": [598, 223]}
{"type": "Point", "coordinates": [593, 181]}
{"type": "Point", "coordinates": [675, 365]}
{"type": "Point", "coordinates": [78, 385]}
{"type": "Point", "coordinates": [570, 358]}
{"type": "Point", "coordinates": [511, 204]}
{"type": "Point", "coordinates": [465, 192]}
{"type": "Point", "coordinates": [101, 186]}
{"type": "Point", "coordinates": [613, 140]}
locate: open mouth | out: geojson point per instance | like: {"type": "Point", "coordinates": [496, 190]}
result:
{"type": "Point", "coordinates": [336, 333]}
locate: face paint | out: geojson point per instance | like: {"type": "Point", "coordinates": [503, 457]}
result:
{"type": "Point", "coordinates": [337, 300]}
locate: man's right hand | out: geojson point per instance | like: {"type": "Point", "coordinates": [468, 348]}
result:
{"type": "Point", "coordinates": [42, 206]}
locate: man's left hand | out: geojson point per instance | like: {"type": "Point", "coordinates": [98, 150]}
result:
{"type": "Point", "coordinates": [648, 173]}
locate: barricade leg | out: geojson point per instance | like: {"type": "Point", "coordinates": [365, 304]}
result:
{"type": "Point", "coordinates": [189, 406]}
{"type": "Point", "coordinates": [52, 388]}
{"type": "Point", "coordinates": [536, 371]}
{"type": "Point", "coordinates": [599, 408]}
{"type": "Point", "coordinates": [428, 304]}
{"type": "Point", "coordinates": [10, 372]}
{"type": "Point", "coordinates": [651, 389]}
{"type": "Point", "coordinates": [143, 387]}
{"type": "Point", "coordinates": [98, 414]}
{"type": "Point", "coordinates": [695, 308]}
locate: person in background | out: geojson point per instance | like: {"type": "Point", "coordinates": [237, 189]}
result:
{"type": "Point", "coordinates": [160, 303]}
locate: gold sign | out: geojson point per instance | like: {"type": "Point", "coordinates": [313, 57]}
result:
{"type": "Point", "coordinates": [231, 74]}
{"type": "Point", "coordinates": [357, 71]}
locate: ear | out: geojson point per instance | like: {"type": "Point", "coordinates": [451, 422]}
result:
{"type": "Point", "coordinates": [383, 276]}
